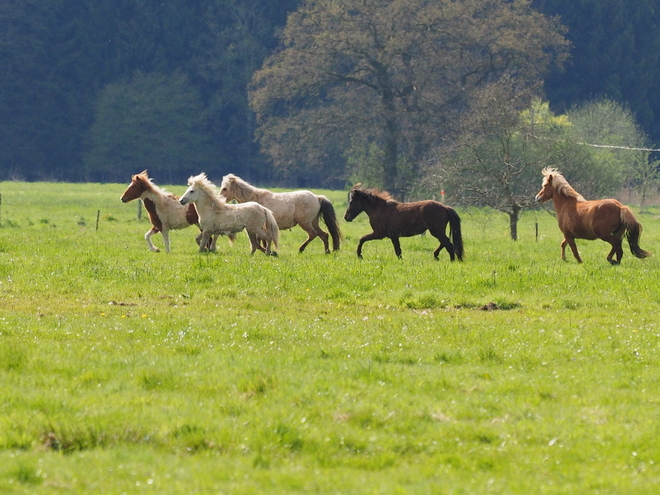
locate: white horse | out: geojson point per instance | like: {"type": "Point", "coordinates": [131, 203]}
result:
{"type": "Point", "coordinates": [302, 208]}
{"type": "Point", "coordinates": [218, 217]}
{"type": "Point", "coordinates": [165, 211]}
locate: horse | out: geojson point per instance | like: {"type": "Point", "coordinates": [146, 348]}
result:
{"type": "Point", "coordinates": [165, 211]}
{"type": "Point", "coordinates": [216, 216]}
{"type": "Point", "coordinates": [293, 208]}
{"type": "Point", "coordinates": [389, 218]}
{"type": "Point", "coordinates": [605, 219]}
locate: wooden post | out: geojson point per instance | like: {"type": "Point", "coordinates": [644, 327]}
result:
{"type": "Point", "coordinates": [98, 215]}
{"type": "Point", "coordinates": [536, 226]}
{"type": "Point", "coordinates": [139, 213]}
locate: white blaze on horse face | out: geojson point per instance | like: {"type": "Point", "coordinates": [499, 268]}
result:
{"type": "Point", "coordinates": [539, 197]}
{"type": "Point", "coordinates": [187, 196]}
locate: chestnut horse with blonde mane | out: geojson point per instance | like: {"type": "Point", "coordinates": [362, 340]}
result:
{"type": "Point", "coordinates": [389, 218]}
{"type": "Point", "coordinates": [165, 211]}
{"type": "Point", "coordinates": [605, 219]}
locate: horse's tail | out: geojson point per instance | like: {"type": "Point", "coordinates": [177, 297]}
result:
{"type": "Point", "coordinates": [330, 219]}
{"type": "Point", "coordinates": [633, 232]}
{"type": "Point", "coordinates": [272, 228]}
{"type": "Point", "coordinates": [456, 236]}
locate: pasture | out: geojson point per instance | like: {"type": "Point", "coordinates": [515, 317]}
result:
{"type": "Point", "coordinates": [128, 371]}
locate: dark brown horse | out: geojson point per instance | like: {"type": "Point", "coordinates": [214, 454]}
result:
{"type": "Point", "coordinates": [389, 218]}
{"type": "Point", "coordinates": [605, 219]}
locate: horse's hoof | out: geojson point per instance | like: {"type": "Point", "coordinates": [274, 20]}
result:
{"type": "Point", "coordinates": [273, 253]}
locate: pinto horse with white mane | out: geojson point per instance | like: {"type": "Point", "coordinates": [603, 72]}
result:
{"type": "Point", "coordinates": [293, 208]}
{"type": "Point", "coordinates": [218, 217]}
{"type": "Point", "coordinates": [605, 219]}
{"type": "Point", "coordinates": [165, 211]}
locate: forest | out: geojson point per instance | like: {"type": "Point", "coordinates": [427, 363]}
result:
{"type": "Point", "coordinates": [96, 91]}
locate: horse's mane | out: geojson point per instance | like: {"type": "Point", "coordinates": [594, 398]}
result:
{"type": "Point", "coordinates": [208, 188]}
{"type": "Point", "coordinates": [148, 184]}
{"type": "Point", "coordinates": [241, 189]}
{"type": "Point", "coordinates": [374, 194]}
{"type": "Point", "coordinates": [560, 183]}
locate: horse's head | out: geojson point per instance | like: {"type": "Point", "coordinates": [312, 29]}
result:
{"type": "Point", "coordinates": [192, 193]}
{"type": "Point", "coordinates": [199, 186]}
{"type": "Point", "coordinates": [355, 203]}
{"type": "Point", "coordinates": [227, 187]}
{"type": "Point", "coordinates": [547, 187]}
{"type": "Point", "coordinates": [139, 184]}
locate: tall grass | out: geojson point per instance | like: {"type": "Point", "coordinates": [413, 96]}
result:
{"type": "Point", "coordinates": [513, 372]}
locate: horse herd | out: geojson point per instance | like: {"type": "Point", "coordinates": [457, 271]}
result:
{"type": "Point", "coordinates": [262, 214]}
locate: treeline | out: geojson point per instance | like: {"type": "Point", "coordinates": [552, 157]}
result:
{"type": "Point", "coordinates": [616, 55]}
{"type": "Point", "coordinates": [95, 91]}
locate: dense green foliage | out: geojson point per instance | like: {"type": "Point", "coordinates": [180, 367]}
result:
{"type": "Point", "coordinates": [60, 60]}
{"type": "Point", "coordinates": [615, 55]}
{"type": "Point", "coordinates": [394, 74]}
{"type": "Point", "coordinates": [494, 160]}
{"type": "Point", "coordinates": [123, 370]}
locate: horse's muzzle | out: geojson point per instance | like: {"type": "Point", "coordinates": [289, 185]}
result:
{"type": "Point", "coordinates": [183, 201]}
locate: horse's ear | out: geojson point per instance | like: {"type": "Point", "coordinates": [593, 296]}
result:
{"type": "Point", "coordinates": [357, 186]}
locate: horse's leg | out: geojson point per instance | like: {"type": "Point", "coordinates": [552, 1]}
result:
{"type": "Point", "coordinates": [616, 249]}
{"type": "Point", "coordinates": [212, 244]}
{"type": "Point", "coordinates": [397, 246]}
{"type": "Point", "coordinates": [571, 243]}
{"type": "Point", "coordinates": [254, 242]}
{"type": "Point", "coordinates": [268, 240]}
{"type": "Point", "coordinates": [619, 254]}
{"type": "Point", "coordinates": [147, 237]}
{"type": "Point", "coordinates": [166, 240]}
{"type": "Point", "coordinates": [363, 239]}
{"type": "Point", "coordinates": [311, 235]}
{"type": "Point", "coordinates": [322, 234]}
{"type": "Point", "coordinates": [204, 241]}
{"type": "Point", "coordinates": [444, 243]}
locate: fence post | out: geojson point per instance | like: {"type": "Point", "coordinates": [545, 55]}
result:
{"type": "Point", "coordinates": [98, 215]}
{"type": "Point", "coordinates": [139, 212]}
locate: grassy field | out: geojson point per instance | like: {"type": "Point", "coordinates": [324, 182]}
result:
{"type": "Point", "coordinates": [127, 371]}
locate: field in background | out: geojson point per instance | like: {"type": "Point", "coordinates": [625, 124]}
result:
{"type": "Point", "coordinates": [123, 370]}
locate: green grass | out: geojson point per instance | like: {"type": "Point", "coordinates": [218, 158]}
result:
{"type": "Point", "coordinates": [123, 370]}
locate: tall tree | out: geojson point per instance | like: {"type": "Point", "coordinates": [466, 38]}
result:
{"type": "Point", "coordinates": [496, 160]}
{"type": "Point", "coordinates": [618, 142]}
{"type": "Point", "coordinates": [390, 72]}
